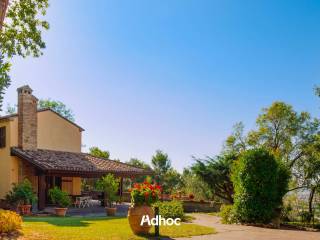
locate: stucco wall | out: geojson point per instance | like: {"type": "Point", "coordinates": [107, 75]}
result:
{"type": "Point", "coordinates": [55, 133]}
{"type": "Point", "coordinates": [5, 162]}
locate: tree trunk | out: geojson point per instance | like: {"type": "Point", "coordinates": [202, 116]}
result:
{"type": "Point", "coordinates": [312, 191]}
{"type": "Point", "coordinates": [3, 9]}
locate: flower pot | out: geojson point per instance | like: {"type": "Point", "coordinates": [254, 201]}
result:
{"type": "Point", "coordinates": [25, 209]}
{"type": "Point", "coordinates": [61, 212]}
{"type": "Point", "coordinates": [135, 215]}
{"type": "Point", "coordinates": [111, 211]}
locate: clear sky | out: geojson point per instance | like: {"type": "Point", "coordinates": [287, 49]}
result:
{"type": "Point", "coordinates": [174, 75]}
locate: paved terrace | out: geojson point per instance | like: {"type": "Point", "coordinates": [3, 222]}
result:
{"type": "Point", "coordinates": [92, 211]}
{"type": "Point", "coordinates": [240, 232]}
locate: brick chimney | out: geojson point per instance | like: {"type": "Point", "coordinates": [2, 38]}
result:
{"type": "Point", "coordinates": [27, 119]}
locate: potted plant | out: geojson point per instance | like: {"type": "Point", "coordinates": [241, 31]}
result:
{"type": "Point", "coordinates": [191, 196]}
{"type": "Point", "coordinates": [60, 198]}
{"type": "Point", "coordinates": [109, 185]}
{"type": "Point", "coordinates": [22, 196]}
{"type": "Point", "coordinates": [142, 197]}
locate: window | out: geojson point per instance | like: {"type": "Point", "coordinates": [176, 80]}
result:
{"type": "Point", "coordinates": [2, 137]}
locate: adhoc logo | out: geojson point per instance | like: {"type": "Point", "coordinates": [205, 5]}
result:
{"type": "Point", "coordinates": [158, 221]}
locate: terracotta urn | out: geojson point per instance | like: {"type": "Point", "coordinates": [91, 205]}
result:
{"type": "Point", "coordinates": [111, 211]}
{"type": "Point", "coordinates": [25, 209]}
{"type": "Point", "coordinates": [61, 212]}
{"type": "Point", "coordinates": [135, 215]}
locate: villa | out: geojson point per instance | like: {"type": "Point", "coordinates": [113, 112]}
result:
{"type": "Point", "coordinates": [44, 147]}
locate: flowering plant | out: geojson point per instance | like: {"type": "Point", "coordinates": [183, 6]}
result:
{"type": "Point", "coordinates": [191, 196]}
{"type": "Point", "coordinates": [144, 194]}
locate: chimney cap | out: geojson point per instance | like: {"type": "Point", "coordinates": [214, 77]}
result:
{"type": "Point", "coordinates": [25, 89]}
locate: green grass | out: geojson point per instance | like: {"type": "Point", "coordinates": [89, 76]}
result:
{"type": "Point", "coordinates": [99, 228]}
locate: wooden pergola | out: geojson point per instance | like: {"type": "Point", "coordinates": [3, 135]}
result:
{"type": "Point", "coordinates": [50, 163]}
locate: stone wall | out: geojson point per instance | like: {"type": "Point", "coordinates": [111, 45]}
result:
{"type": "Point", "coordinates": [27, 119]}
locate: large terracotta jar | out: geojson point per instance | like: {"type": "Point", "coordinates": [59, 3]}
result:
{"type": "Point", "coordinates": [135, 215]}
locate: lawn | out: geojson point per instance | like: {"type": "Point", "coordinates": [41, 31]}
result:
{"type": "Point", "coordinates": [88, 228]}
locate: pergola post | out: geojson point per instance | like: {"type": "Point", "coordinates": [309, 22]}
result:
{"type": "Point", "coordinates": [41, 191]}
{"type": "Point", "coordinates": [121, 188]}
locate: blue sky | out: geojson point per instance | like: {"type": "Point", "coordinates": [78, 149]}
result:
{"type": "Point", "coordinates": [174, 75]}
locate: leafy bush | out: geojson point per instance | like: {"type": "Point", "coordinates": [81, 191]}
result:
{"type": "Point", "coordinates": [227, 214]}
{"type": "Point", "coordinates": [9, 221]}
{"type": "Point", "coordinates": [21, 193]}
{"type": "Point", "coordinates": [109, 185]}
{"type": "Point", "coordinates": [145, 194]}
{"type": "Point", "coordinates": [286, 212]}
{"type": "Point", "coordinates": [59, 197]}
{"type": "Point", "coordinates": [172, 209]}
{"type": "Point", "coordinates": [191, 183]}
{"type": "Point", "coordinates": [306, 216]}
{"type": "Point", "coordinates": [260, 182]}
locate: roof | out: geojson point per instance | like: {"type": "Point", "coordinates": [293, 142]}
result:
{"type": "Point", "coordinates": [83, 164]}
{"type": "Point", "coordinates": [43, 110]}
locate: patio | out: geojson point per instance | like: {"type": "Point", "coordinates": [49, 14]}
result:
{"type": "Point", "coordinates": [92, 211]}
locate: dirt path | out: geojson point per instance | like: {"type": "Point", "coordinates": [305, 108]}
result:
{"type": "Point", "coordinates": [238, 232]}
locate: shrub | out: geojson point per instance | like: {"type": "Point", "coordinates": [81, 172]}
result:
{"type": "Point", "coordinates": [306, 216]}
{"type": "Point", "coordinates": [9, 221]}
{"type": "Point", "coordinates": [286, 212]}
{"type": "Point", "coordinates": [227, 214]}
{"type": "Point", "coordinates": [172, 209]}
{"type": "Point", "coordinates": [145, 194]}
{"type": "Point", "coordinates": [21, 193]}
{"type": "Point", "coordinates": [109, 185]}
{"type": "Point", "coordinates": [260, 182]}
{"type": "Point", "coordinates": [59, 197]}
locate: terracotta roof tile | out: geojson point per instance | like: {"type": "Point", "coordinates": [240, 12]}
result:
{"type": "Point", "coordinates": [50, 160]}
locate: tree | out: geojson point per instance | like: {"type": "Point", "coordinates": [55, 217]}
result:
{"type": "Point", "coordinates": [3, 9]}
{"type": "Point", "coordinates": [171, 181]}
{"type": "Point", "coordinates": [191, 183]}
{"type": "Point", "coordinates": [11, 109]}
{"type": "Point", "coordinates": [236, 142]}
{"type": "Point", "coordinates": [97, 152]}
{"type": "Point", "coordinates": [140, 164]}
{"type": "Point", "coordinates": [58, 107]}
{"type": "Point", "coordinates": [20, 33]}
{"type": "Point", "coordinates": [283, 131]}
{"type": "Point", "coordinates": [215, 172]}
{"type": "Point", "coordinates": [308, 170]}
{"type": "Point", "coordinates": [260, 182]}
{"type": "Point", "coordinates": [54, 105]}
{"type": "Point", "coordinates": [160, 162]}
{"type": "Point", "coordinates": [165, 174]}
